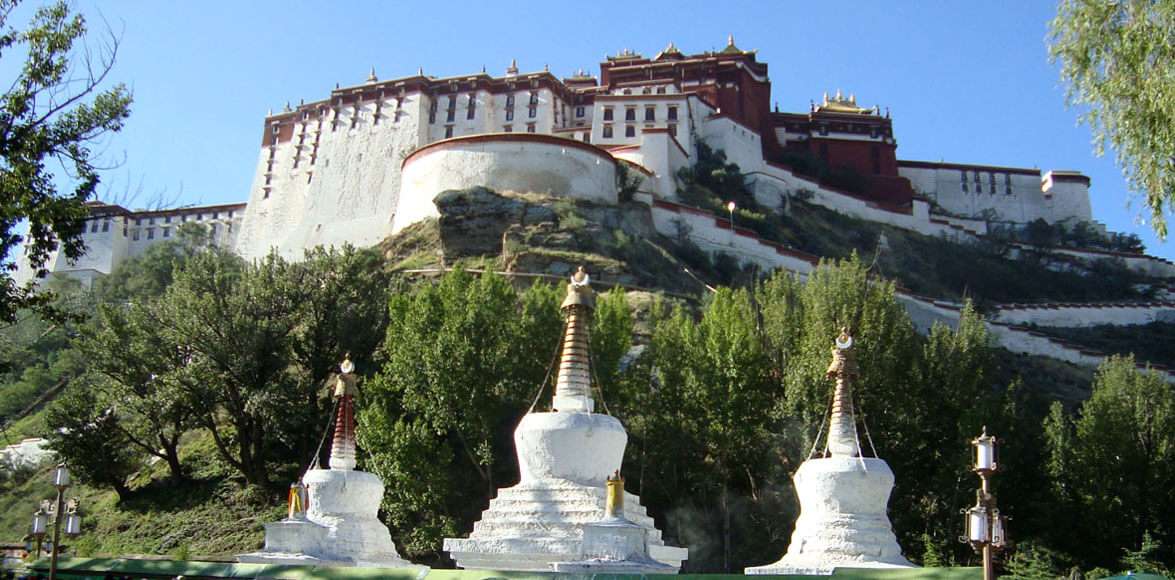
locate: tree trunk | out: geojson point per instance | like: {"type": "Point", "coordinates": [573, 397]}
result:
{"type": "Point", "coordinates": [725, 529]}
{"type": "Point", "coordinates": [171, 455]}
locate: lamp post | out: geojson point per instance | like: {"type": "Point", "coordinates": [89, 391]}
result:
{"type": "Point", "coordinates": [983, 524]}
{"type": "Point", "coordinates": [730, 207]}
{"type": "Point", "coordinates": [65, 515]}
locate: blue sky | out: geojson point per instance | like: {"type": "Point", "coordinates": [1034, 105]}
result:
{"type": "Point", "coordinates": [967, 82]}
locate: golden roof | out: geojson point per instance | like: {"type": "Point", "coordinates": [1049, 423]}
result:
{"type": "Point", "coordinates": [840, 104]}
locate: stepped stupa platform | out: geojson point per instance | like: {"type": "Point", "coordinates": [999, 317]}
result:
{"type": "Point", "coordinates": [564, 457]}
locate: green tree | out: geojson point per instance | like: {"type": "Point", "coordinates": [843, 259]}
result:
{"type": "Point", "coordinates": [463, 358]}
{"type": "Point", "coordinates": [1116, 57]}
{"type": "Point", "coordinates": [1108, 462]}
{"type": "Point", "coordinates": [53, 111]}
{"type": "Point", "coordinates": [86, 435]}
{"type": "Point", "coordinates": [232, 322]}
{"type": "Point", "coordinates": [127, 346]}
{"type": "Point", "coordinates": [705, 397]}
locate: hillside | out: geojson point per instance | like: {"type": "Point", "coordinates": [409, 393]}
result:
{"type": "Point", "coordinates": [535, 237]}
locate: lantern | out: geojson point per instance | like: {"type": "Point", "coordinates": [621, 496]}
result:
{"type": "Point", "coordinates": [73, 524]}
{"type": "Point", "coordinates": [986, 453]}
{"type": "Point", "coordinates": [61, 476]}
{"type": "Point", "coordinates": [999, 523]}
{"type": "Point", "coordinates": [40, 523]}
{"type": "Point", "coordinates": [977, 525]}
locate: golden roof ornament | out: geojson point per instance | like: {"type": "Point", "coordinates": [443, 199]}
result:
{"type": "Point", "coordinates": [840, 104]}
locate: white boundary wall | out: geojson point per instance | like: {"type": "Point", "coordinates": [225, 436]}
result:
{"type": "Point", "coordinates": [1085, 315]}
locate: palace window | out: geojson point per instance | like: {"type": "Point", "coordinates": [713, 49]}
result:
{"type": "Point", "coordinates": [212, 230]}
{"type": "Point", "coordinates": [471, 111]}
{"type": "Point", "coordinates": [452, 102]}
{"type": "Point", "coordinates": [978, 185]}
{"type": "Point", "coordinates": [607, 131]}
{"type": "Point", "coordinates": [963, 181]}
{"type": "Point", "coordinates": [509, 114]}
{"type": "Point", "coordinates": [432, 112]}
{"type": "Point", "coordinates": [449, 115]}
{"type": "Point", "coordinates": [448, 131]}
{"type": "Point", "coordinates": [672, 112]}
{"type": "Point", "coordinates": [629, 131]}
{"type": "Point", "coordinates": [579, 111]}
{"type": "Point", "coordinates": [93, 227]}
{"type": "Point", "coordinates": [660, 90]}
{"type": "Point", "coordinates": [106, 225]}
{"type": "Point", "coordinates": [150, 233]}
{"type": "Point", "coordinates": [991, 182]}
{"type": "Point", "coordinates": [532, 111]}
{"type": "Point", "coordinates": [646, 91]}
{"type": "Point", "coordinates": [167, 232]}
{"type": "Point", "coordinates": [215, 215]}
{"type": "Point", "coordinates": [135, 237]}
{"type": "Point", "coordinates": [1008, 184]}
{"type": "Point", "coordinates": [627, 91]}
{"type": "Point", "coordinates": [630, 114]}
{"type": "Point", "coordinates": [673, 129]}
{"type": "Point", "coordinates": [508, 129]}
{"type": "Point", "coordinates": [534, 98]}
{"type": "Point", "coordinates": [587, 137]}
{"type": "Point", "coordinates": [509, 100]}
{"type": "Point", "coordinates": [607, 113]}
{"type": "Point", "coordinates": [650, 113]}
{"type": "Point", "coordinates": [530, 128]}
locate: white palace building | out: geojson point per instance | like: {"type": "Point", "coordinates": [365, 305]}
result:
{"type": "Point", "coordinates": [366, 161]}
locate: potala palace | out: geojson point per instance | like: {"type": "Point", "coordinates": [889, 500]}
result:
{"type": "Point", "coordinates": [363, 162]}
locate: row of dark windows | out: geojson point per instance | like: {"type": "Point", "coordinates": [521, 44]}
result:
{"type": "Point", "coordinates": [630, 131]}
{"type": "Point", "coordinates": [213, 229]}
{"type": "Point", "coordinates": [978, 184]}
{"type": "Point", "coordinates": [650, 113]}
{"type": "Point", "coordinates": [105, 224]}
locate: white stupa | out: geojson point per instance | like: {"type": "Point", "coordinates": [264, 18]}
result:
{"type": "Point", "coordinates": [843, 495]}
{"type": "Point", "coordinates": [564, 458]}
{"type": "Point", "coordinates": [333, 512]}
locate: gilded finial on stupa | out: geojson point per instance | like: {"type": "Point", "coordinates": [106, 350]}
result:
{"type": "Point", "coordinates": [345, 383]}
{"type": "Point", "coordinates": [371, 78]}
{"type": "Point", "coordinates": [844, 364]}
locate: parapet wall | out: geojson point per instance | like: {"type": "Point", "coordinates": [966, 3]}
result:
{"type": "Point", "coordinates": [520, 162]}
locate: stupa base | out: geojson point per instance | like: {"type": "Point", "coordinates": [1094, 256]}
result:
{"type": "Point", "coordinates": [532, 526]}
{"type": "Point", "coordinates": [339, 529]}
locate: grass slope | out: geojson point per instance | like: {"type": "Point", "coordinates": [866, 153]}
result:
{"type": "Point", "coordinates": [208, 516]}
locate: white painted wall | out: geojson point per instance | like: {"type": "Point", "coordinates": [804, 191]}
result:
{"type": "Point", "coordinates": [347, 195]}
{"type": "Point", "coordinates": [539, 166]}
{"type": "Point", "coordinates": [969, 192]}
{"type": "Point", "coordinates": [1085, 315]}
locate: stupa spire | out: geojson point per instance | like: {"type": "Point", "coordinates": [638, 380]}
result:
{"type": "Point", "coordinates": [573, 387]}
{"type": "Point", "coordinates": [842, 424]}
{"type": "Point", "coordinates": [342, 449]}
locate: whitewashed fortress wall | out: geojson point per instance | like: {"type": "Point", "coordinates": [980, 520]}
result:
{"type": "Point", "coordinates": [329, 172]}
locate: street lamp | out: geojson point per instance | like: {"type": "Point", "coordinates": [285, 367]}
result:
{"type": "Point", "coordinates": [65, 515]}
{"type": "Point", "coordinates": [984, 527]}
{"type": "Point", "coordinates": [730, 208]}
